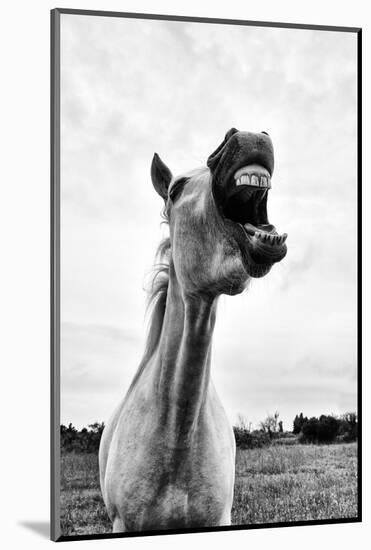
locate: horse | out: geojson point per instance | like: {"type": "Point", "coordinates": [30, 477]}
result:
{"type": "Point", "coordinates": [167, 455]}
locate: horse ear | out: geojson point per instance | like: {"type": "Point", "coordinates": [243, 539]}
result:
{"type": "Point", "coordinates": [161, 176]}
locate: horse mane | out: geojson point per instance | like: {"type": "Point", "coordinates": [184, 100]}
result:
{"type": "Point", "coordinates": [157, 296]}
{"type": "Point", "coordinates": [156, 302]}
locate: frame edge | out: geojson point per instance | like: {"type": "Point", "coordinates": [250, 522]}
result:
{"type": "Point", "coordinates": [55, 531]}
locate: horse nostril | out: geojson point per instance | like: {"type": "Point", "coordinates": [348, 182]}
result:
{"type": "Point", "coordinates": [263, 132]}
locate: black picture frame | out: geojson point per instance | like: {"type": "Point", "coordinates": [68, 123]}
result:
{"type": "Point", "coordinates": [55, 264]}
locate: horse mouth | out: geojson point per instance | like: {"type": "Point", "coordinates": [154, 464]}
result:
{"type": "Point", "coordinates": [246, 206]}
{"type": "Point", "coordinates": [242, 168]}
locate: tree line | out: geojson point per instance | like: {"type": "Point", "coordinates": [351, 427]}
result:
{"type": "Point", "coordinates": [324, 429]}
{"type": "Point", "coordinates": [85, 440]}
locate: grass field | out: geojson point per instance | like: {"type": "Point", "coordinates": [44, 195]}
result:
{"type": "Point", "coordinates": [273, 484]}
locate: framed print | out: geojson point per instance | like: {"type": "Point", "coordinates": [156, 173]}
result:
{"type": "Point", "coordinates": [206, 291]}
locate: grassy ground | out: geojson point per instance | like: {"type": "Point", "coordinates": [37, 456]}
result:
{"type": "Point", "coordinates": [273, 484]}
{"type": "Point", "coordinates": [294, 483]}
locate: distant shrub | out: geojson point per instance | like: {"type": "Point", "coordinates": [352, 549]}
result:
{"type": "Point", "coordinates": [251, 440]}
{"type": "Point", "coordinates": [271, 425]}
{"type": "Point", "coordinates": [299, 421]}
{"type": "Point", "coordinates": [326, 428]}
{"type": "Point", "coordinates": [83, 441]}
{"type": "Point", "coordinates": [320, 430]}
{"type": "Point", "coordinates": [348, 427]}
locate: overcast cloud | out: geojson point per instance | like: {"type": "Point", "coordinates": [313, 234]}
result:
{"type": "Point", "coordinates": [132, 87]}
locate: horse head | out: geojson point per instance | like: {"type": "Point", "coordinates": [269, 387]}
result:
{"type": "Point", "coordinates": [219, 230]}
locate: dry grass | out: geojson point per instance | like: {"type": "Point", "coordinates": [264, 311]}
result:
{"type": "Point", "coordinates": [295, 483]}
{"type": "Point", "coordinates": [82, 507]}
{"type": "Point", "coordinates": [273, 484]}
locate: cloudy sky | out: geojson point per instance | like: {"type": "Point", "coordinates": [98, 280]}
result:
{"type": "Point", "coordinates": [130, 88]}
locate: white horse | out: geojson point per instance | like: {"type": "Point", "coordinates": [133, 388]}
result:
{"type": "Point", "coordinates": [167, 455]}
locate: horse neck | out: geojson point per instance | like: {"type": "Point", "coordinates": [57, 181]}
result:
{"type": "Point", "coordinates": [183, 361]}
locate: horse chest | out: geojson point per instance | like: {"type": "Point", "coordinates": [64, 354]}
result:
{"type": "Point", "coordinates": [154, 486]}
{"type": "Point", "coordinates": [180, 489]}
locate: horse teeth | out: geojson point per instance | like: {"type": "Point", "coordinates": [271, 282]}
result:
{"type": "Point", "coordinates": [269, 238]}
{"type": "Point", "coordinates": [243, 180]}
{"type": "Point", "coordinates": [254, 180]}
